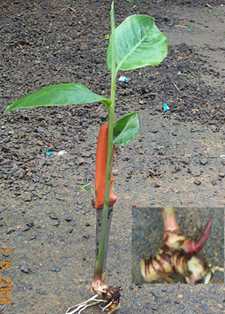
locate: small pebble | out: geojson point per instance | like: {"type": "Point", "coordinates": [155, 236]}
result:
{"type": "Point", "coordinates": [194, 171]}
{"type": "Point", "coordinates": [197, 182]}
{"type": "Point", "coordinates": [68, 218]}
{"type": "Point", "coordinates": [27, 227]}
{"type": "Point", "coordinates": [52, 216]}
{"type": "Point", "coordinates": [55, 223]}
{"type": "Point", "coordinates": [24, 268]}
{"type": "Point", "coordinates": [81, 161]}
{"type": "Point", "coordinates": [56, 269]}
{"type": "Point", "coordinates": [41, 291]}
{"type": "Point", "coordinates": [33, 237]}
{"type": "Point", "coordinates": [27, 196]}
{"type": "Point", "coordinates": [203, 161]}
{"type": "Point", "coordinates": [10, 230]}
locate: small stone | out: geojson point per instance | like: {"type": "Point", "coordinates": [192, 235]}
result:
{"type": "Point", "coordinates": [115, 172]}
{"type": "Point", "coordinates": [10, 230]}
{"type": "Point", "coordinates": [194, 171]}
{"type": "Point", "coordinates": [81, 161]}
{"type": "Point", "coordinates": [41, 291]}
{"type": "Point", "coordinates": [185, 161]}
{"type": "Point", "coordinates": [24, 268]}
{"type": "Point", "coordinates": [27, 196]}
{"type": "Point", "coordinates": [40, 130]}
{"type": "Point", "coordinates": [203, 161]}
{"type": "Point", "coordinates": [55, 223]}
{"type": "Point", "coordinates": [68, 218]}
{"type": "Point", "coordinates": [39, 143]}
{"type": "Point", "coordinates": [213, 182]}
{"type": "Point", "coordinates": [176, 169]}
{"type": "Point", "coordinates": [52, 216]}
{"type": "Point", "coordinates": [221, 175]}
{"type": "Point", "coordinates": [151, 173]}
{"type": "Point", "coordinates": [197, 182]}
{"type": "Point", "coordinates": [27, 227]}
{"type": "Point", "coordinates": [33, 237]}
{"type": "Point", "coordinates": [55, 269]}
{"type": "Point", "coordinates": [223, 162]}
{"type": "Point", "coordinates": [157, 185]}
{"type": "Point", "coordinates": [59, 197]}
{"type": "Point", "coordinates": [70, 230]}
{"type": "Point", "coordinates": [214, 128]}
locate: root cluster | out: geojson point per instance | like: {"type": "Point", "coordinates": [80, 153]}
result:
{"type": "Point", "coordinates": [107, 298]}
{"type": "Point", "coordinates": [165, 264]}
{"type": "Point", "coordinates": [178, 255]}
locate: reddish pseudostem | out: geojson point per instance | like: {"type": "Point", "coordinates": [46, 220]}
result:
{"type": "Point", "coordinates": [107, 297]}
{"type": "Point", "coordinates": [100, 173]}
{"type": "Point", "coordinates": [178, 255]}
{"type": "Point", "coordinates": [109, 294]}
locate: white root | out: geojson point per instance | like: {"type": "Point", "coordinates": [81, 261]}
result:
{"type": "Point", "coordinates": [107, 306]}
{"type": "Point", "coordinates": [78, 308]}
{"type": "Point", "coordinates": [212, 271]}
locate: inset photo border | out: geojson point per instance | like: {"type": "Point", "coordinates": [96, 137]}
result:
{"type": "Point", "coordinates": [178, 245]}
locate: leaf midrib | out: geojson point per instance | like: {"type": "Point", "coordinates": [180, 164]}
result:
{"type": "Point", "coordinates": [132, 50]}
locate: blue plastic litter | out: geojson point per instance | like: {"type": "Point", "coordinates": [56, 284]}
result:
{"type": "Point", "coordinates": [123, 79]}
{"type": "Point", "coordinates": [165, 107]}
{"type": "Point", "coordinates": [49, 152]}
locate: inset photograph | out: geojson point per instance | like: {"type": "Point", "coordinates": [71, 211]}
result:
{"type": "Point", "coordinates": [178, 245]}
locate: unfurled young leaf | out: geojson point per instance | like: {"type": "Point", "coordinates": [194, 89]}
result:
{"type": "Point", "coordinates": [57, 95]}
{"type": "Point", "coordinates": [126, 129]}
{"type": "Point", "coordinates": [138, 43]}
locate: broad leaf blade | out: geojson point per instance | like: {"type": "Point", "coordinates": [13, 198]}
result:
{"type": "Point", "coordinates": [126, 129]}
{"type": "Point", "coordinates": [139, 43]}
{"type": "Point", "coordinates": [57, 95]}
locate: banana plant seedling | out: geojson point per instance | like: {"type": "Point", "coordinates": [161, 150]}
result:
{"type": "Point", "coordinates": [178, 255]}
{"type": "Point", "coordinates": [135, 43]}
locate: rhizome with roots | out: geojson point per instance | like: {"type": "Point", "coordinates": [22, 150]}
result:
{"type": "Point", "coordinates": [178, 255]}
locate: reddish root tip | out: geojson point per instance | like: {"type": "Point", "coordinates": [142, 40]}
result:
{"type": "Point", "coordinates": [193, 247]}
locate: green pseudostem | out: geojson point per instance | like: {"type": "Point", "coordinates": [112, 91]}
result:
{"type": "Point", "coordinates": [107, 211]}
